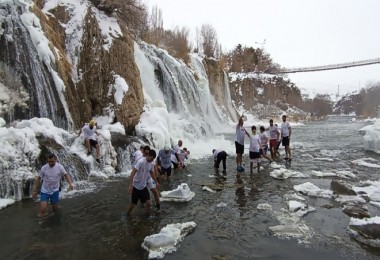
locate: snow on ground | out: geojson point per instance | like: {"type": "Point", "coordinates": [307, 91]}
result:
{"type": "Point", "coordinates": [264, 206]}
{"type": "Point", "coordinates": [365, 230]}
{"type": "Point", "coordinates": [6, 202]}
{"type": "Point", "coordinates": [167, 240]}
{"type": "Point", "coordinates": [369, 188]}
{"type": "Point", "coordinates": [181, 194]}
{"type": "Point", "coordinates": [312, 190]}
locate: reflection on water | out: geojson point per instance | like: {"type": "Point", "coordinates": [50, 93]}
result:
{"type": "Point", "coordinates": [89, 226]}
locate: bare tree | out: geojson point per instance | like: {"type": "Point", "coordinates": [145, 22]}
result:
{"type": "Point", "coordinates": [209, 40]}
{"type": "Point", "coordinates": [157, 25]}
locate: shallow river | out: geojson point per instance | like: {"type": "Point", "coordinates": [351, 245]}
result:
{"type": "Point", "coordinates": [89, 226]}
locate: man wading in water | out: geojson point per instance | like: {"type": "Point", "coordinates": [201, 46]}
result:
{"type": "Point", "coordinates": [50, 176]}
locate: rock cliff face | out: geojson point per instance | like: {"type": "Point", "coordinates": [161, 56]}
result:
{"type": "Point", "coordinates": [77, 81]}
{"type": "Point", "coordinates": [219, 88]}
{"type": "Point", "coordinates": [265, 95]}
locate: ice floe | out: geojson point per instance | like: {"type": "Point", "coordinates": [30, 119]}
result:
{"type": "Point", "coordinates": [6, 202]}
{"type": "Point", "coordinates": [205, 188]}
{"type": "Point", "coordinates": [366, 162]}
{"type": "Point", "coordinates": [350, 199]}
{"type": "Point", "coordinates": [167, 240]}
{"type": "Point", "coordinates": [283, 174]}
{"type": "Point", "coordinates": [221, 205]}
{"type": "Point", "coordinates": [366, 231]}
{"type": "Point", "coordinates": [369, 188]}
{"type": "Point", "coordinates": [312, 190]}
{"type": "Point", "coordinates": [371, 138]}
{"type": "Point", "coordinates": [299, 208]}
{"type": "Point", "coordinates": [182, 193]}
{"type": "Point", "coordinates": [323, 174]}
{"type": "Point", "coordinates": [264, 206]}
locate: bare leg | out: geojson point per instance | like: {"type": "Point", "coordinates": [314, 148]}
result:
{"type": "Point", "coordinates": [251, 167]}
{"type": "Point", "coordinates": [43, 209]}
{"type": "Point", "coordinates": [55, 207]}
{"type": "Point", "coordinates": [97, 151]}
{"type": "Point", "coordinates": [258, 167]}
{"type": "Point", "coordinates": [155, 195]}
{"type": "Point", "coordinates": [130, 208]}
{"type": "Point", "coordinates": [147, 207]}
{"type": "Point", "coordinates": [88, 146]}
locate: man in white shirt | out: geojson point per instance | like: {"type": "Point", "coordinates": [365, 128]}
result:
{"type": "Point", "coordinates": [219, 156]}
{"type": "Point", "coordinates": [239, 142]}
{"type": "Point", "coordinates": [274, 135]}
{"type": "Point", "coordinates": [254, 149]}
{"type": "Point", "coordinates": [89, 131]}
{"type": "Point", "coordinates": [164, 161]}
{"type": "Point", "coordinates": [286, 132]}
{"type": "Point", "coordinates": [176, 160]}
{"type": "Point", "coordinates": [142, 171]}
{"type": "Point", "coordinates": [50, 176]}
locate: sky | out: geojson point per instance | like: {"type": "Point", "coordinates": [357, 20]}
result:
{"type": "Point", "coordinates": [296, 33]}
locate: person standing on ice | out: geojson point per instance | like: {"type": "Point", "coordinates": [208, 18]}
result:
{"type": "Point", "coordinates": [141, 172]}
{"type": "Point", "coordinates": [50, 177]}
{"type": "Point", "coordinates": [239, 142]}
{"type": "Point", "coordinates": [89, 131]}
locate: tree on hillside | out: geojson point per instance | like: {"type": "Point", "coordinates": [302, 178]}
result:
{"type": "Point", "coordinates": [177, 43]}
{"type": "Point", "coordinates": [157, 26]}
{"type": "Point", "coordinates": [209, 40]}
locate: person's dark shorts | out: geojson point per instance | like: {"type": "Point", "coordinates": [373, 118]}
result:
{"type": "Point", "coordinates": [93, 143]}
{"type": "Point", "coordinates": [167, 171]}
{"type": "Point", "coordinates": [142, 195]}
{"type": "Point", "coordinates": [53, 198]}
{"type": "Point", "coordinates": [175, 165]}
{"type": "Point", "coordinates": [239, 148]}
{"type": "Point", "coordinates": [285, 141]}
{"type": "Point", "coordinates": [254, 155]}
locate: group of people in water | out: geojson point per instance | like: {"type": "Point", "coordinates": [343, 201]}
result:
{"type": "Point", "coordinates": [269, 138]}
{"type": "Point", "coordinates": [148, 168]}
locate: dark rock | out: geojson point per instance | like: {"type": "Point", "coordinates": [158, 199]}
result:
{"type": "Point", "coordinates": [370, 231]}
{"type": "Point", "coordinates": [356, 211]}
{"type": "Point", "coordinates": [341, 187]}
{"type": "Point", "coordinates": [328, 206]}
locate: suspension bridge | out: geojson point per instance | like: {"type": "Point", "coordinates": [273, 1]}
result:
{"type": "Point", "coordinates": [327, 67]}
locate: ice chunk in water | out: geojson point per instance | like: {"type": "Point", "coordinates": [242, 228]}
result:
{"type": "Point", "coordinates": [182, 193]}
{"type": "Point", "coordinates": [167, 240]}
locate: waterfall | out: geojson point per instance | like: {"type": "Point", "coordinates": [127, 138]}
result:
{"type": "Point", "coordinates": [177, 106]}
{"type": "Point", "coordinates": [26, 50]}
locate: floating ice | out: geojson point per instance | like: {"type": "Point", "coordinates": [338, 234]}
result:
{"type": "Point", "coordinates": [371, 138]}
{"type": "Point", "coordinates": [182, 193]}
{"type": "Point", "coordinates": [6, 202]}
{"type": "Point", "coordinates": [365, 230]}
{"type": "Point", "coordinates": [299, 208]}
{"type": "Point", "coordinates": [323, 174]}
{"type": "Point", "coordinates": [350, 199]}
{"type": "Point", "coordinates": [292, 227]}
{"type": "Point", "coordinates": [366, 162]}
{"type": "Point", "coordinates": [311, 189]}
{"type": "Point", "coordinates": [264, 206]}
{"type": "Point", "coordinates": [167, 240]}
{"type": "Point", "coordinates": [324, 159]}
{"type": "Point", "coordinates": [283, 174]}
{"type": "Point", "coordinates": [370, 188]}
{"type": "Point", "coordinates": [208, 189]}
{"type": "Point", "coordinates": [221, 205]}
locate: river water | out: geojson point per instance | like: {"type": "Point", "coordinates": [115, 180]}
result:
{"type": "Point", "coordinates": [89, 226]}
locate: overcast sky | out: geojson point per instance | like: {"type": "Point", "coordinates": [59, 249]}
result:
{"type": "Point", "coordinates": [297, 33]}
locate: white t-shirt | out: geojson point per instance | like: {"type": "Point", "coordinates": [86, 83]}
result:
{"type": "Point", "coordinates": [136, 157]}
{"type": "Point", "coordinates": [51, 177]}
{"type": "Point", "coordinates": [177, 150]}
{"type": "Point", "coordinates": [165, 158]}
{"type": "Point", "coordinates": [144, 168]}
{"type": "Point", "coordinates": [215, 154]}
{"type": "Point", "coordinates": [273, 131]}
{"type": "Point", "coordinates": [240, 134]}
{"type": "Point", "coordinates": [88, 132]}
{"type": "Point", "coordinates": [182, 156]}
{"type": "Point", "coordinates": [285, 129]}
{"type": "Point", "coordinates": [254, 143]}
{"type": "Point", "coordinates": [264, 138]}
